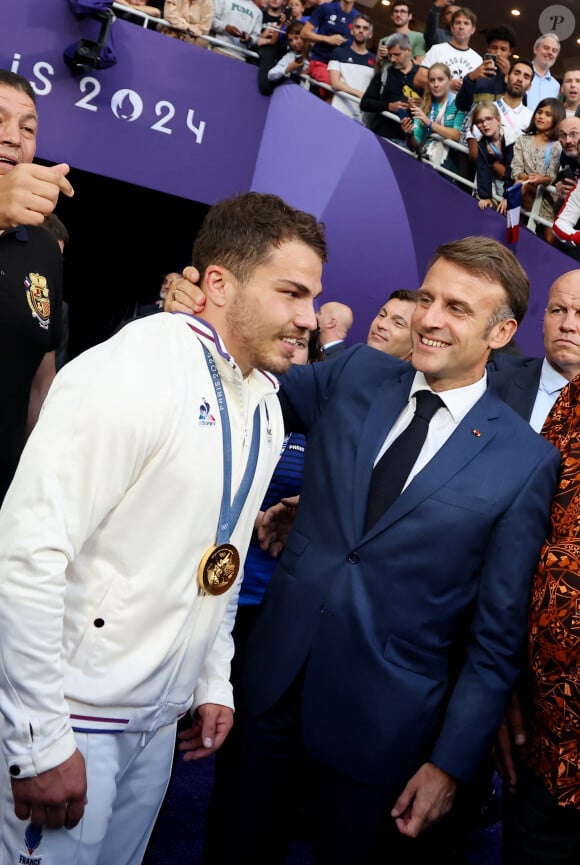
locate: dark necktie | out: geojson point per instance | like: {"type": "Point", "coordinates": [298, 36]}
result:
{"type": "Point", "coordinates": [394, 467]}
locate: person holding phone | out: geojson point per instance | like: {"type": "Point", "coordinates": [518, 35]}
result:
{"type": "Point", "coordinates": [391, 88]}
{"type": "Point", "coordinates": [567, 220]}
{"type": "Point", "coordinates": [569, 168]}
{"type": "Point", "coordinates": [272, 41]}
{"type": "Point", "coordinates": [294, 62]}
{"type": "Point", "coordinates": [298, 11]}
{"type": "Point", "coordinates": [402, 18]}
{"type": "Point", "coordinates": [495, 151]}
{"type": "Point", "coordinates": [436, 114]}
{"type": "Point", "coordinates": [238, 22]}
{"type": "Point", "coordinates": [490, 76]}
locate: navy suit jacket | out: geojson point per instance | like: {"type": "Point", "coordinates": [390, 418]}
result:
{"type": "Point", "coordinates": [334, 350]}
{"type": "Point", "coordinates": [410, 635]}
{"type": "Point", "coordinates": [518, 384]}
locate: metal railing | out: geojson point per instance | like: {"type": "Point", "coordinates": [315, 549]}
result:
{"type": "Point", "coordinates": [138, 13]}
{"type": "Point", "coordinates": [146, 20]}
{"type": "Point", "coordinates": [533, 216]}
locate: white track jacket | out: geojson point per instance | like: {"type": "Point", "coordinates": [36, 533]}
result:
{"type": "Point", "coordinates": [115, 501]}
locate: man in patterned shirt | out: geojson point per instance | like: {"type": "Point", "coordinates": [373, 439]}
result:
{"type": "Point", "coordinates": [539, 745]}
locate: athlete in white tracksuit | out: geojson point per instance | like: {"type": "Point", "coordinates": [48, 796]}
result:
{"type": "Point", "coordinates": [102, 626]}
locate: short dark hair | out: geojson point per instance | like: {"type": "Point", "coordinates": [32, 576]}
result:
{"type": "Point", "coordinates": [241, 233]}
{"type": "Point", "coordinates": [515, 60]}
{"type": "Point", "coordinates": [404, 294]}
{"type": "Point", "coordinates": [11, 79]}
{"type": "Point", "coordinates": [490, 259]}
{"type": "Point", "coordinates": [503, 32]}
{"type": "Point", "coordinates": [56, 227]}
{"type": "Point", "coordinates": [402, 3]}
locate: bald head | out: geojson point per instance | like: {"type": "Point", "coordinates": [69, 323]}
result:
{"type": "Point", "coordinates": [334, 321]}
{"type": "Point", "coordinates": [569, 134]}
{"type": "Point", "coordinates": [562, 325]}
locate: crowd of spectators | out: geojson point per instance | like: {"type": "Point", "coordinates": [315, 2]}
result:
{"type": "Point", "coordinates": [488, 121]}
{"type": "Point", "coordinates": [537, 147]}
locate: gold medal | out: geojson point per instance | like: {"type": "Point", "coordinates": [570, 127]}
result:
{"type": "Point", "coordinates": [218, 569]}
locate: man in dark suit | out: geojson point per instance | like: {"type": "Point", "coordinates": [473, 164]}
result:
{"type": "Point", "coordinates": [382, 661]}
{"type": "Point", "coordinates": [532, 385]}
{"type": "Point", "coordinates": [541, 771]}
{"type": "Point", "coordinates": [334, 322]}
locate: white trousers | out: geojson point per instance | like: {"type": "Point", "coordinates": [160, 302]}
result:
{"type": "Point", "coordinates": [127, 776]}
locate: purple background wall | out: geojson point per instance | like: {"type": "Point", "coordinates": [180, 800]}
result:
{"type": "Point", "coordinates": [385, 214]}
{"type": "Point", "coordinates": [131, 121]}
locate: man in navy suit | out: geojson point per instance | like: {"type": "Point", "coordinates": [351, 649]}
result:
{"type": "Point", "coordinates": [334, 322]}
{"type": "Point", "coordinates": [541, 815]}
{"type": "Point", "coordinates": [532, 385]}
{"type": "Point", "coordinates": [382, 661]}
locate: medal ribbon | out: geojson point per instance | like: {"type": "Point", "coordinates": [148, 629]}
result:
{"type": "Point", "coordinates": [230, 511]}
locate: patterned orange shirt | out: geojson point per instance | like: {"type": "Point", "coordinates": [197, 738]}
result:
{"type": "Point", "coordinates": [553, 746]}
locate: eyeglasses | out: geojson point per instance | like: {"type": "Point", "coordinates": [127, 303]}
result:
{"type": "Point", "coordinates": [572, 135]}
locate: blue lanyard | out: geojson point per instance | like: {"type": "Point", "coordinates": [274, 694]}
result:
{"type": "Point", "coordinates": [442, 110]}
{"type": "Point", "coordinates": [230, 511]}
{"type": "Point", "coordinates": [505, 113]}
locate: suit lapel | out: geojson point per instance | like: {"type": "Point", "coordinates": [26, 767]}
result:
{"type": "Point", "coordinates": [388, 403]}
{"type": "Point", "coordinates": [473, 434]}
{"type": "Point", "coordinates": [529, 389]}
{"type": "Point", "coordinates": [523, 388]}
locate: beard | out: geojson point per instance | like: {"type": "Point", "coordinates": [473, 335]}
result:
{"type": "Point", "coordinates": [258, 342]}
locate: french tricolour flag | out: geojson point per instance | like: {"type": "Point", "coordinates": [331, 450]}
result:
{"type": "Point", "coordinates": [514, 204]}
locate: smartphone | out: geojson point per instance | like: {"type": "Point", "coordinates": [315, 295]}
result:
{"type": "Point", "coordinates": [488, 56]}
{"type": "Point", "coordinates": [287, 12]}
{"type": "Point", "coordinates": [569, 173]}
{"type": "Point", "coordinates": [298, 58]}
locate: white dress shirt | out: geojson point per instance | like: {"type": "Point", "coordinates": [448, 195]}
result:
{"type": "Point", "coordinates": [446, 419]}
{"type": "Point", "coordinates": [551, 383]}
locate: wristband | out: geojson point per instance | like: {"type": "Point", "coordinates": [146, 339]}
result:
{"type": "Point", "coordinates": [430, 126]}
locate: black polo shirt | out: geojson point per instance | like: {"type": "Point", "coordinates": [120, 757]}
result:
{"type": "Point", "coordinates": [30, 326]}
